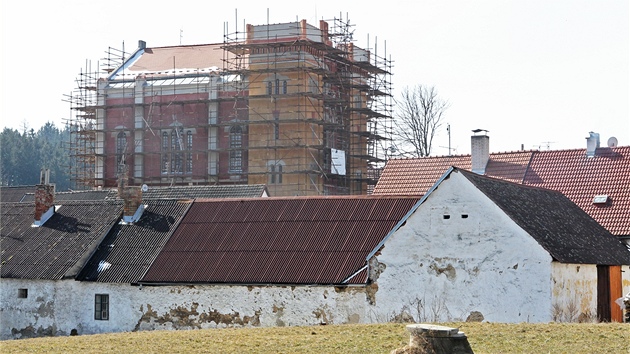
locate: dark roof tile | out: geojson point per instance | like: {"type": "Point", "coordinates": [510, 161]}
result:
{"type": "Point", "coordinates": [316, 240]}
{"type": "Point", "coordinates": [58, 248]}
{"type": "Point", "coordinates": [568, 233]}
{"type": "Point", "coordinates": [128, 250]}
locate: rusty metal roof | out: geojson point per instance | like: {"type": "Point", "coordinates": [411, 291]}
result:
{"type": "Point", "coordinates": [314, 240]}
{"type": "Point", "coordinates": [128, 250]}
{"type": "Point", "coordinates": [59, 247]}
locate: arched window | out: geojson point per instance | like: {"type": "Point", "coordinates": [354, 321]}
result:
{"type": "Point", "coordinates": [284, 87]}
{"type": "Point", "coordinates": [236, 153]}
{"type": "Point", "coordinates": [177, 157]}
{"type": "Point", "coordinates": [274, 169]}
{"type": "Point", "coordinates": [269, 87]}
{"type": "Point", "coordinates": [121, 147]}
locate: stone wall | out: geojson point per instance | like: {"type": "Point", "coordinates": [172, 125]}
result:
{"type": "Point", "coordinates": [58, 307]}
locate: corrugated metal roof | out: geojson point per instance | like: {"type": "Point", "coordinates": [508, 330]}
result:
{"type": "Point", "coordinates": [128, 250]}
{"type": "Point", "coordinates": [315, 240]}
{"type": "Point", "coordinates": [568, 233]}
{"type": "Point", "coordinates": [213, 191]}
{"type": "Point", "coordinates": [10, 194]}
{"type": "Point", "coordinates": [75, 195]}
{"type": "Point", "coordinates": [27, 194]}
{"type": "Point", "coordinates": [55, 249]}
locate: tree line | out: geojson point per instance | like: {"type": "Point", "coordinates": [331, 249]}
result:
{"type": "Point", "coordinates": [24, 154]}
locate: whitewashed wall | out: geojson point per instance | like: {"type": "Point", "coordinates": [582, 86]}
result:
{"type": "Point", "coordinates": [57, 307]}
{"type": "Point", "coordinates": [482, 266]}
{"type": "Point", "coordinates": [574, 292]}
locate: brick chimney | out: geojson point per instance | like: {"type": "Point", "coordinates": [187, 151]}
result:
{"type": "Point", "coordinates": [480, 152]}
{"type": "Point", "coordinates": [44, 199]}
{"type": "Point", "coordinates": [132, 199]}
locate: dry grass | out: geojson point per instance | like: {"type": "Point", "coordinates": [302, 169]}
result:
{"type": "Point", "coordinates": [377, 338]}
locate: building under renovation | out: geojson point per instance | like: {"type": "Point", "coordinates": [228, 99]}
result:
{"type": "Point", "coordinates": [291, 105]}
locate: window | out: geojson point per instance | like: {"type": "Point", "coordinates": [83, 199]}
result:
{"type": "Point", "coordinates": [277, 88]}
{"type": "Point", "coordinates": [22, 293]}
{"type": "Point", "coordinates": [284, 87]}
{"type": "Point", "coordinates": [275, 172]}
{"type": "Point", "coordinates": [236, 154]}
{"type": "Point", "coordinates": [269, 87]}
{"type": "Point", "coordinates": [189, 161]}
{"type": "Point", "coordinates": [177, 157]}
{"type": "Point", "coordinates": [176, 148]}
{"type": "Point", "coordinates": [276, 124]}
{"type": "Point", "coordinates": [101, 307]}
{"type": "Point", "coordinates": [165, 156]}
{"type": "Point", "coordinates": [121, 146]}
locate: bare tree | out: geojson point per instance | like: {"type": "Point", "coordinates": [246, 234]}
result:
{"type": "Point", "coordinates": [420, 112]}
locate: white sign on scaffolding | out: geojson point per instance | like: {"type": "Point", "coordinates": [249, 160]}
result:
{"type": "Point", "coordinates": [338, 162]}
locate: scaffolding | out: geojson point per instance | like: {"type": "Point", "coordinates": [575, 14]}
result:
{"type": "Point", "coordinates": [315, 101]}
{"type": "Point", "coordinates": [313, 110]}
{"type": "Point", "coordinates": [84, 101]}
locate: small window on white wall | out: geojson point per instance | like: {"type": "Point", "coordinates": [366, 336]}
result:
{"type": "Point", "coordinates": [22, 293]}
{"type": "Point", "coordinates": [101, 307]}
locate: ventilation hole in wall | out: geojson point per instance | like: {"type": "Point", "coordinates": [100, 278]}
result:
{"type": "Point", "coordinates": [446, 216]}
{"type": "Point", "coordinates": [464, 216]}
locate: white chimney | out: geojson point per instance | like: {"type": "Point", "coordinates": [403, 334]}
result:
{"type": "Point", "coordinates": [480, 152]}
{"type": "Point", "coordinates": [592, 143]}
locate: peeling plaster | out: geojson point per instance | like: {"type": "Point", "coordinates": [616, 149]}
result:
{"type": "Point", "coordinates": [182, 317]}
{"type": "Point", "coordinates": [31, 332]}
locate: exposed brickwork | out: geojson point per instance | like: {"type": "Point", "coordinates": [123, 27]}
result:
{"type": "Point", "coordinates": [132, 197]}
{"type": "Point", "coordinates": [44, 198]}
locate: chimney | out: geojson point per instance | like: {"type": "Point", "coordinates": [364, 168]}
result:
{"type": "Point", "coordinates": [44, 198]}
{"type": "Point", "coordinates": [592, 143]}
{"type": "Point", "coordinates": [132, 199]}
{"type": "Point", "coordinates": [480, 152]}
{"type": "Point", "coordinates": [133, 207]}
{"type": "Point", "coordinates": [142, 44]}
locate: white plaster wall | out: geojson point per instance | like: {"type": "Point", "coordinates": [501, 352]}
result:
{"type": "Point", "coordinates": [440, 269]}
{"type": "Point", "coordinates": [574, 292]}
{"type": "Point", "coordinates": [32, 315]}
{"type": "Point", "coordinates": [57, 307]}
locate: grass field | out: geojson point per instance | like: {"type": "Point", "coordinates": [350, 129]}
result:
{"type": "Point", "coordinates": [377, 338]}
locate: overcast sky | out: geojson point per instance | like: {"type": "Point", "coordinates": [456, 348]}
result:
{"type": "Point", "coordinates": [541, 74]}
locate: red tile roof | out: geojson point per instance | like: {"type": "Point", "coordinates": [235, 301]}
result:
{"type": "Point", "coordinates": [314, 240]}
{"type": "Point", "coordinates": [568, 171]}
{"type": "Point", "coordinates": [581, 178]}
{"type": "Point", "coordinates": [416, 176]}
